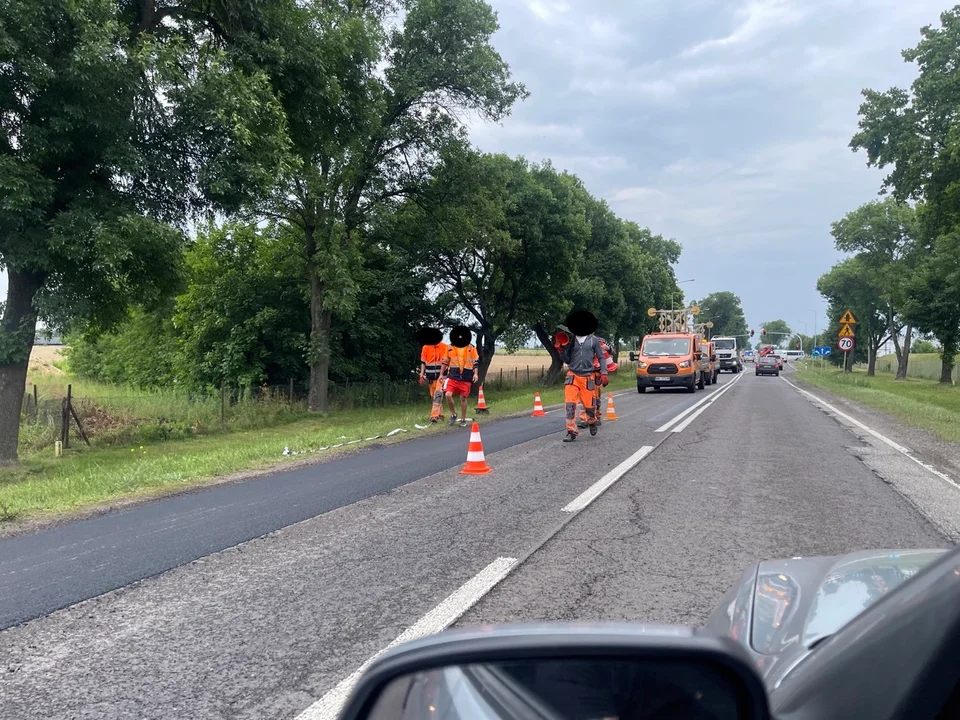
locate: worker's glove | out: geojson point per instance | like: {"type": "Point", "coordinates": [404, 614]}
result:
{"type": "Point", "coordinates": [604, 380]}
{"type": "Point", "coordinates": [421, 379]}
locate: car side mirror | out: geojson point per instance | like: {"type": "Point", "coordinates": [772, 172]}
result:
{"type": "Point", "coordinates": [558, 671]}
{"type": "Point", "coordinates": [633, 357]}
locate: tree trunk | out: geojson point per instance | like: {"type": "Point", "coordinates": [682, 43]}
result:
{"type": "Point", "coordinates": [321, 320]}
{"type": "Point", "coordinates": [487, 347]}
{"type": "Point", "coordinates": [18, 327]}
{"type": "Point", "coordinates": [871, 359]}
{"type": "Point", "coordinates": [556, 364]}
{"type": "Point", "coordinates": [948, 357]}
{"type": "Point", "coordinates": [904, 357]}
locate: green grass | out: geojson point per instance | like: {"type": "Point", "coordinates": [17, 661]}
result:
{"type": "Point", "coordinates": [924, 366]}
{"type": "Point", "coordinates": [87, 477]}
{"type": "Point", "coordinates": [917, 402]}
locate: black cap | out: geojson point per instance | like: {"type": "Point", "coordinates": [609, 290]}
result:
{"type": "Point", "coordinates": [582, 322]}
{"type": "Point", "coordinates": [460, 336]}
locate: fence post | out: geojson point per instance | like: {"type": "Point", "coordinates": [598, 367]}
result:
{"type": "Point", "coordinates": [66, 417]}
{"type": "Point", "coordinates": [36, 406]}
{"type": "Point", "coordinates": [528, 374]}
{"type": "Point", "coordinates": [516, 377]}
{"type": "Point", "coordinates": [384, 396]}
{"type": "Point", "coordinates": [291, 391]}
{"type": "Point", "coordinates": [223, 405]}
{"type": "Point", "coordinates": [501, 378]}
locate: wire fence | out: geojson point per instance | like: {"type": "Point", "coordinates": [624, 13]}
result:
{"type": "Point", "coordinates": [118, 416]}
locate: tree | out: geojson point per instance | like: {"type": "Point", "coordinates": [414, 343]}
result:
{"type": "Point", "coordinates": [883, 234]}
{"type": "Point", "coordinates": [500, 239]}
{"type": "Point", "coordinates": [778, 333]}
{"type": "Point", "coordinates": [724, 310]}
{"type": "Point", "coordinates": [117, 118]}
{"type": "Point", "coordinates": [371, 109]}
{"type": "Point", "coordinates": [915, 133]}
{"type": "Point", "coordinates": [854, 285]}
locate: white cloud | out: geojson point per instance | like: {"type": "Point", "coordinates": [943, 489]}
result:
{"type": "Point", "coordinates": [756, 21]}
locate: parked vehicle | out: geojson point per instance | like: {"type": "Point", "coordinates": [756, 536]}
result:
{"type": "Point", "coordinates": [728, 355]}
{"type": "Point", "coordinates": [669, 360]}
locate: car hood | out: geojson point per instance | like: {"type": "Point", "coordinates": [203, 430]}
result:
{"type": "Point", "coordinates": [780, 609]}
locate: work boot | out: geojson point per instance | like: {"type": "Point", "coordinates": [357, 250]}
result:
{"type": "Point", "coordinates": [581, 423]}
{"type": "Point", "coordinates": [571, 436]}
{"type": "Point", "coordinates": [593, 429]}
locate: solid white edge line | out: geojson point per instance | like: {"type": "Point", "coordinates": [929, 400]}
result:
{"type": "Point", "coordinates": [677, 418]}
{"type": "Point", "coordinates": [439, 618]}
{"type": "Point", "coordinates": [601, 485]}
{"type": "Point", "coordinates": [882, 438]}
{"type": "Point", "coordinates": [711, 400]}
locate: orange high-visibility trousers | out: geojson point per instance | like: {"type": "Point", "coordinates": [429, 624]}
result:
{"type": "Point", "coordinates": [436, 392]}
{"type": "Point", "coordinates": [597, 402]}
{"type": "Point", "coordinates": [579, 389]}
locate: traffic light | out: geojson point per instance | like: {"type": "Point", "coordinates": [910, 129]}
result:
{"type": "Point", "coordinates": [751, 333]}
{"type": "Point", "coordinates": [798, 346]}
{"type": "Point", "coordinates": [763, 331]}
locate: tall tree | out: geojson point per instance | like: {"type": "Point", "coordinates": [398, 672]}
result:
{"type": "Point", "coordinates": [915, 133]}
{"type": "Point", "coordinates": [723, 309]}
{"type": "Point", "coordinates": [117, 118]}
{"type": "Point", "coordinates": [499, 238]}
{"type": "Point", "coordinates": [778, 333]}
{"type": "Point", "coordinates": [371, 107]}
{"type": "Point", "coordinates": [855, 285]}
{"type": "Point", "coordinates": [884, 236]}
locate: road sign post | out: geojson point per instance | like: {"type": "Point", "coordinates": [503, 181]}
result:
{"type": "Point", "coordinates": [845, 339]}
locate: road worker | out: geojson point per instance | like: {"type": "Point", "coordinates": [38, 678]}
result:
{"type": "Point", "coordinates": [459, 370]}
{"type": "Point", "coordinates": [581, 350]}
{"type": "Point", "coordinates": [432, 354]}
{"type": "Point", "coordinates": [611, 367]}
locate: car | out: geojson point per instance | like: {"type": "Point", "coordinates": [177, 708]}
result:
{"type": "Point", "coordinates": [768, 365]}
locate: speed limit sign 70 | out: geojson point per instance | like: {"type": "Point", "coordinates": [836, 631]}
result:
{"type": "Point", "coordinates": [845, 344]}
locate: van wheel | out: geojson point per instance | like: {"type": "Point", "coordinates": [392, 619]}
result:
{"type": "Point", "coordinates": [692, 387]}
{"type": "Point", "coordinates": [641, 389]}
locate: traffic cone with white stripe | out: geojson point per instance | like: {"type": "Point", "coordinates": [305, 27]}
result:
{"type": "Point", "coordinates": [481, 403]}
{"type": "Point", "coordinates": [537, 406]}
{"type": "Point", "coordinates": [476, 464]}
{"type": "Point", "coordinates": [611, 412]}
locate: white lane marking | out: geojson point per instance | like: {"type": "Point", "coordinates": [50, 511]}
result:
{"type": "Point", "coordinates": [677, 418]}
{"type": "Point", "coordinates": [882, 438]}
{"type": "Point", "coordinates": [710, 401]}
{"type": "Point", "coordinates": [441, 617]}
{"type": "Point", "coordinates": [604, 483]}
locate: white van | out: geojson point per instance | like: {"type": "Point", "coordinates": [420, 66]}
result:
{"type": "Point", "coordinates": [794, 354]}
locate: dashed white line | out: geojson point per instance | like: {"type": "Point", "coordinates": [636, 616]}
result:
{"type": "Point", "coordinates": [882, 438]}
{"type": "Point", "coordinates": [439, 618]}
{"type": "Point", "coordinates": [604, 483]}
{"type": "Point", "coordinates": [710, 401]}
{"type": "Point", "coordinates": [709, 398]}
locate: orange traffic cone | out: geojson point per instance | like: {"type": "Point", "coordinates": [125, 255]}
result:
{"type": "Point", "coordinates": [476, 464]}
{"type": "Point", "coordinates": [537, 406]}
{"type": "Point", "coordinates": [481, 402]}
{"type": "Point", "coordinates": [611, 412]}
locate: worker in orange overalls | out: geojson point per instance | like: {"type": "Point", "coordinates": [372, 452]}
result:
{"type": "Point", "coordinates": [580, 349]}
{"type": "Point", "coordinates": [432, 354]}
{"type": "Point", "coordinates": [459, 371]}
{"type": "Point", "coordinates": [611, 367]}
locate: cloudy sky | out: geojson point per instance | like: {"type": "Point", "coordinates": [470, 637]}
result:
{"type": "Point", "coordinates": [721, 123]}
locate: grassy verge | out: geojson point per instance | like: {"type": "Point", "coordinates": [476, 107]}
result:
{"type": "Point", "coordinates": [87, 478]}
{"type": "Point", "coordinates": [921, 403]}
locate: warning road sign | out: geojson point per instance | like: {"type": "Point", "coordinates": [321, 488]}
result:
{"type": "Point", "coordinates": [848, 319]}
{"type": "Point", "coordinates": [845, 344]}
{"type": "Point", "coordinates": [846, 332]}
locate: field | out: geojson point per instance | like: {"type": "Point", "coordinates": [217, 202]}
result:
{"type": "Point", "coordinates": [925, 366]}
{"type": "Point", "coordinates": [42, 359]}
{"type": "Point", "coordinates": [918, 402]}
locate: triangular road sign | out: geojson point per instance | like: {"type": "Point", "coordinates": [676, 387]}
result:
{"type": "Point", "coordinates": [846, 331]}
{"type": "Point", "coordinates": [848, 319]}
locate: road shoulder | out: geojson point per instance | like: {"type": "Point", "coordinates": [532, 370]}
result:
{"type": "Point", "coordinates": [927, 474]}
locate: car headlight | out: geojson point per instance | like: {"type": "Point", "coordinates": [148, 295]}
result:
{"type": "Point", "coordinates": [685, 364]}
{"type": "Point", "coordinates": [642, 365]}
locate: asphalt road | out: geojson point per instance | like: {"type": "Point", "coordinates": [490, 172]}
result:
{"type": "Point", "coordinates": [269, 627]}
